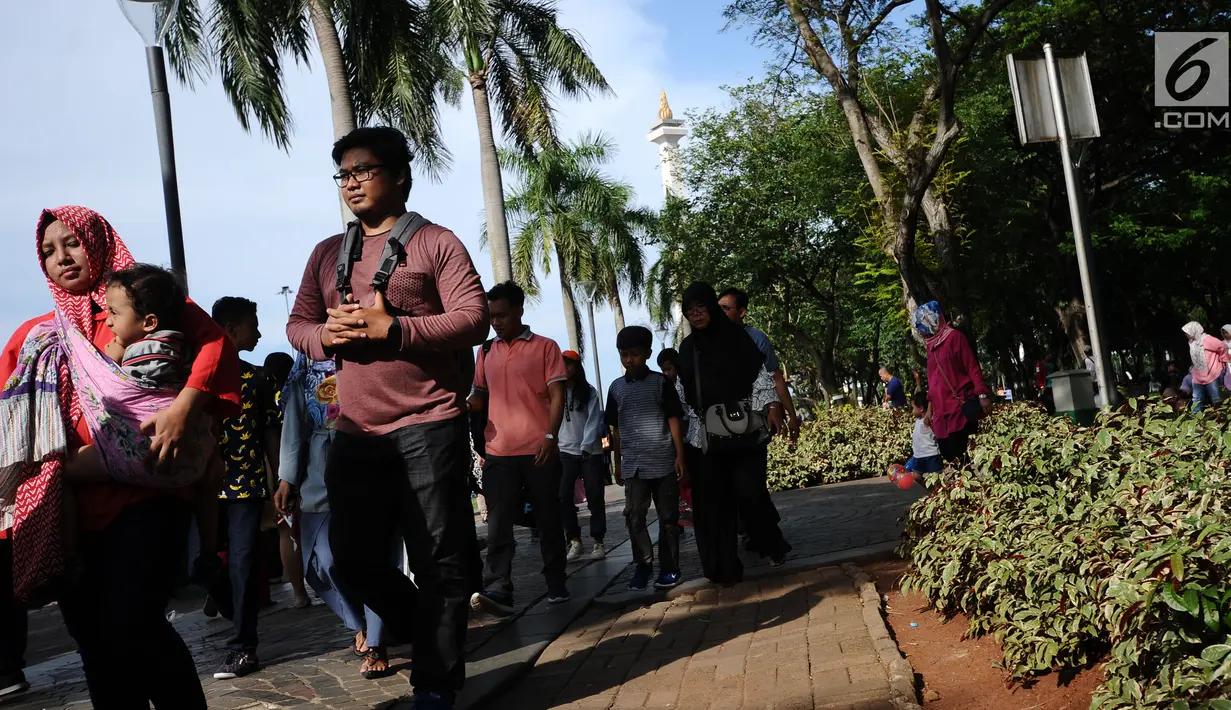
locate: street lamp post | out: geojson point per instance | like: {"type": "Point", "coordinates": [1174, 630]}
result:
{"type": "Point", "coordinates": [285, 293]}
{"type": "Point", "coordinates": [588, 288]}
{"type": "Point", "coordinates": [151, 19]}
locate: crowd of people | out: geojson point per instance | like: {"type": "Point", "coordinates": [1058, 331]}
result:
{"type": "Point", "coordinates": [132, 421]}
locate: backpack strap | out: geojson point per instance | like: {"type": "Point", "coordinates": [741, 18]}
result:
{"type": "Point", "coordinates": [350, 251]}
{"type": "Point", "coordinates": [393, 253]}
{"type": "Point", "coordinates": [395, 247]}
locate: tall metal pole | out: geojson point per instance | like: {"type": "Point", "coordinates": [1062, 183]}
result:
{"type": "Point", "coordinates": [598, 375]}
{"type": "Point", "coordinates": [1072, 185]}
{"type": "Point", "coordinates": [166, 151]}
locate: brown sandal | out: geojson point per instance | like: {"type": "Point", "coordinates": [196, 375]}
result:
{"type": "Point", "coordinates": [375, 654]}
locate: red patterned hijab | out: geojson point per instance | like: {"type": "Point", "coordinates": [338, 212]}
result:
{"type": "Point", "coordinates": [105, 253]}
{"type": "Point", "coordinates": [37, 529]}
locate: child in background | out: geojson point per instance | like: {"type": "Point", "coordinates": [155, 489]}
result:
{"type": "Point", "coordinates": [925, 456]}
{"type": "Point", "coordinates": [250, 446]}
{"type": "Point", "coordinates": [667, 364]}
{"type": "Point", "coordinates": [582, 459]}
{"type": "Point", "coordinates": [644, 412]}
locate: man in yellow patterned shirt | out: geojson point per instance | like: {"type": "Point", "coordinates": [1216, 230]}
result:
{"type": "Point", "coordinates": [249, 444]}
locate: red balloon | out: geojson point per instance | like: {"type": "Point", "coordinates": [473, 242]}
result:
{"type": "Point", "coordinates": [906, 480]}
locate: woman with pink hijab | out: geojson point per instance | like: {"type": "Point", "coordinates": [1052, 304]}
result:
{"type": "Point", "coordinates": [1209, 356]}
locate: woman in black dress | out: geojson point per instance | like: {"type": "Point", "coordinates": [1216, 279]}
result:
{"type": "Point", "coordinates": [720, 364]}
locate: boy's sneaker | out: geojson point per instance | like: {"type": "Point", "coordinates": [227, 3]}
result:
{"type": "Point", "coordinates": [13, 684]}
{"type": "Point", "coordinates": [494, 603]}
{"type": "Point", "coordinates": [667, 580]}
{"type": "Point", "coordinates": [574, 551]}
{"type": "Point", "coordinates": [558, 594]}
{"type": "Point", "coordinates": [238, 665]}
{"type": "Point", "coordinates": [599, 552]}
{"type": "Point", "coordinates": [428, 700]}
{"type": "Point", "coordinates": [641, 578]}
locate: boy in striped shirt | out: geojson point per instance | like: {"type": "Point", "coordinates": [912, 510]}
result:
{"type": "Point", "coordinates": [644, 413]}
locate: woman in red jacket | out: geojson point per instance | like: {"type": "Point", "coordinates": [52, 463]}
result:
{"type": "Point", "coordinates": [957, 394]}
{"type": "Point", "coordinates": [133, 537]}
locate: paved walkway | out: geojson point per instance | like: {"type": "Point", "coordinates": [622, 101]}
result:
{"type": "Point", "coordinates": [785, 639]}
{"type": "Point", "coordinates": [308, 663]}
{"type": "Point", "coordinates": [790, 641]}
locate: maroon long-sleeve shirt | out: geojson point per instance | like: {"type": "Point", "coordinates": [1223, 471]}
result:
{"type": "Point", "coordinates": [953, 377]}
{"type": "Point", "coordinates": [439, 302]}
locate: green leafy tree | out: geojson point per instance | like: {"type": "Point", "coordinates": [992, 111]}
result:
{"type": "Point", "coordinates": [775, 209]}
{"type": "Point", "coordinates": [515, 56]}
{"type": "Point", "coordinates": [902, 144]}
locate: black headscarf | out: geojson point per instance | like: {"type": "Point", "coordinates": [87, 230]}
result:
{"type": "Point", "coordinates": [729, 360]}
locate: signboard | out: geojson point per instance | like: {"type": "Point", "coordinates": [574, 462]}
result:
{"type": "Point", "coordinates": [1032, 97]}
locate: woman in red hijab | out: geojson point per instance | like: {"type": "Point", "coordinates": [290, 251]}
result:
{"type": "Point", "coordinates": [133, 537]}
{"type": "Point", "coordinates": [957, 394]}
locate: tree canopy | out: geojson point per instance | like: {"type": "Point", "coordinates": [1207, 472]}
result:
{"type": "Point", "coordinates": [780, 204]}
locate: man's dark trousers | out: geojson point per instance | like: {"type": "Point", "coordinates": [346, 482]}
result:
{"type": "Point", "coordinates": [505, 478]}
{"type": "Point", "coordinates": [409, 484]}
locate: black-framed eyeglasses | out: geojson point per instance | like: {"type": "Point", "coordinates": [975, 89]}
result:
{"type": "Point", "coordinates": [361, 174]}
{"type": "Point", "coordinates": [695, 309]}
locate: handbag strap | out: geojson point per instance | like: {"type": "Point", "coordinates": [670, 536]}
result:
{"type": "Point", "coordinates": [696, 374]}
{"type": "Point", "coordinates": [949, 382]}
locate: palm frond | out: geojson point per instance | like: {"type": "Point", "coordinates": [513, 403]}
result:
{"type": "Point", "coordinates": [526, 246]}
{"type": "Point", "coordinates": [250, 62]}
{"type": "Point", "coordinates": [187, 44]}
{"type": "Point", "coordinates": [398, 70]}
{"type": "Point", "coordinates": [583, 219]}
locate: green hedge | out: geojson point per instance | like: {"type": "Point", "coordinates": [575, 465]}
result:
{"type": "Point", "coordinates": [1073, 544]}
{"type": "Point", "coordinates": [843, 444]}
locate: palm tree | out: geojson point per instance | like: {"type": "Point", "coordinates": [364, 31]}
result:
{"type": "Point", "coordinates": [382, 61]}
{"type": "Point", "coordinates": [567, 211]}
{"type": "Point", "coordinates": [515, 55]}
{"type": "Point", "coordinates": [667, 278]}
{"type": "Point", "coordinates": [617, 261]}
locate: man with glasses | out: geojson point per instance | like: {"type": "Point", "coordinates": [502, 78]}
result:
{"type": "Point", "coordinates": [734, 303]}
{"type": "Point", "coordinates": [393, 301]}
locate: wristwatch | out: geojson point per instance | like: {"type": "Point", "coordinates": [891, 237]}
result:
{"type": "Point", "coordinates": [550, 437]}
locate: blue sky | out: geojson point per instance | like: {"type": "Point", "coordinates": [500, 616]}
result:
{"type": "Point", "coordinates": [78, 129]}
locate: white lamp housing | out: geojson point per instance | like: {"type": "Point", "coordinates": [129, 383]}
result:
{"type": "Point", "coordinates": [150, 18]}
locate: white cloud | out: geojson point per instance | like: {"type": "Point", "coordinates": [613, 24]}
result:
{"type": "Point", "coordinates": [79, 129]}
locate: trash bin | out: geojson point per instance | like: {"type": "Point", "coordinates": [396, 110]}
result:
{"type": "Point", "coordinates": [1073, 391]}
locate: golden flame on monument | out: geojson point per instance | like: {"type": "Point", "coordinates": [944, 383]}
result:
{"type": "Point", "coordinates": [664, 111]}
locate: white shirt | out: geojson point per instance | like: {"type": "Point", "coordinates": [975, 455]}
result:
{"type": "Point", "coordinates": [923, 440]}
{"type": "Point", "coordinates": [581, 432]}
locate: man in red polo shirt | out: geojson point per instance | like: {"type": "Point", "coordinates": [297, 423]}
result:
{"type": "Point", "coordinates": [519, 382]}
